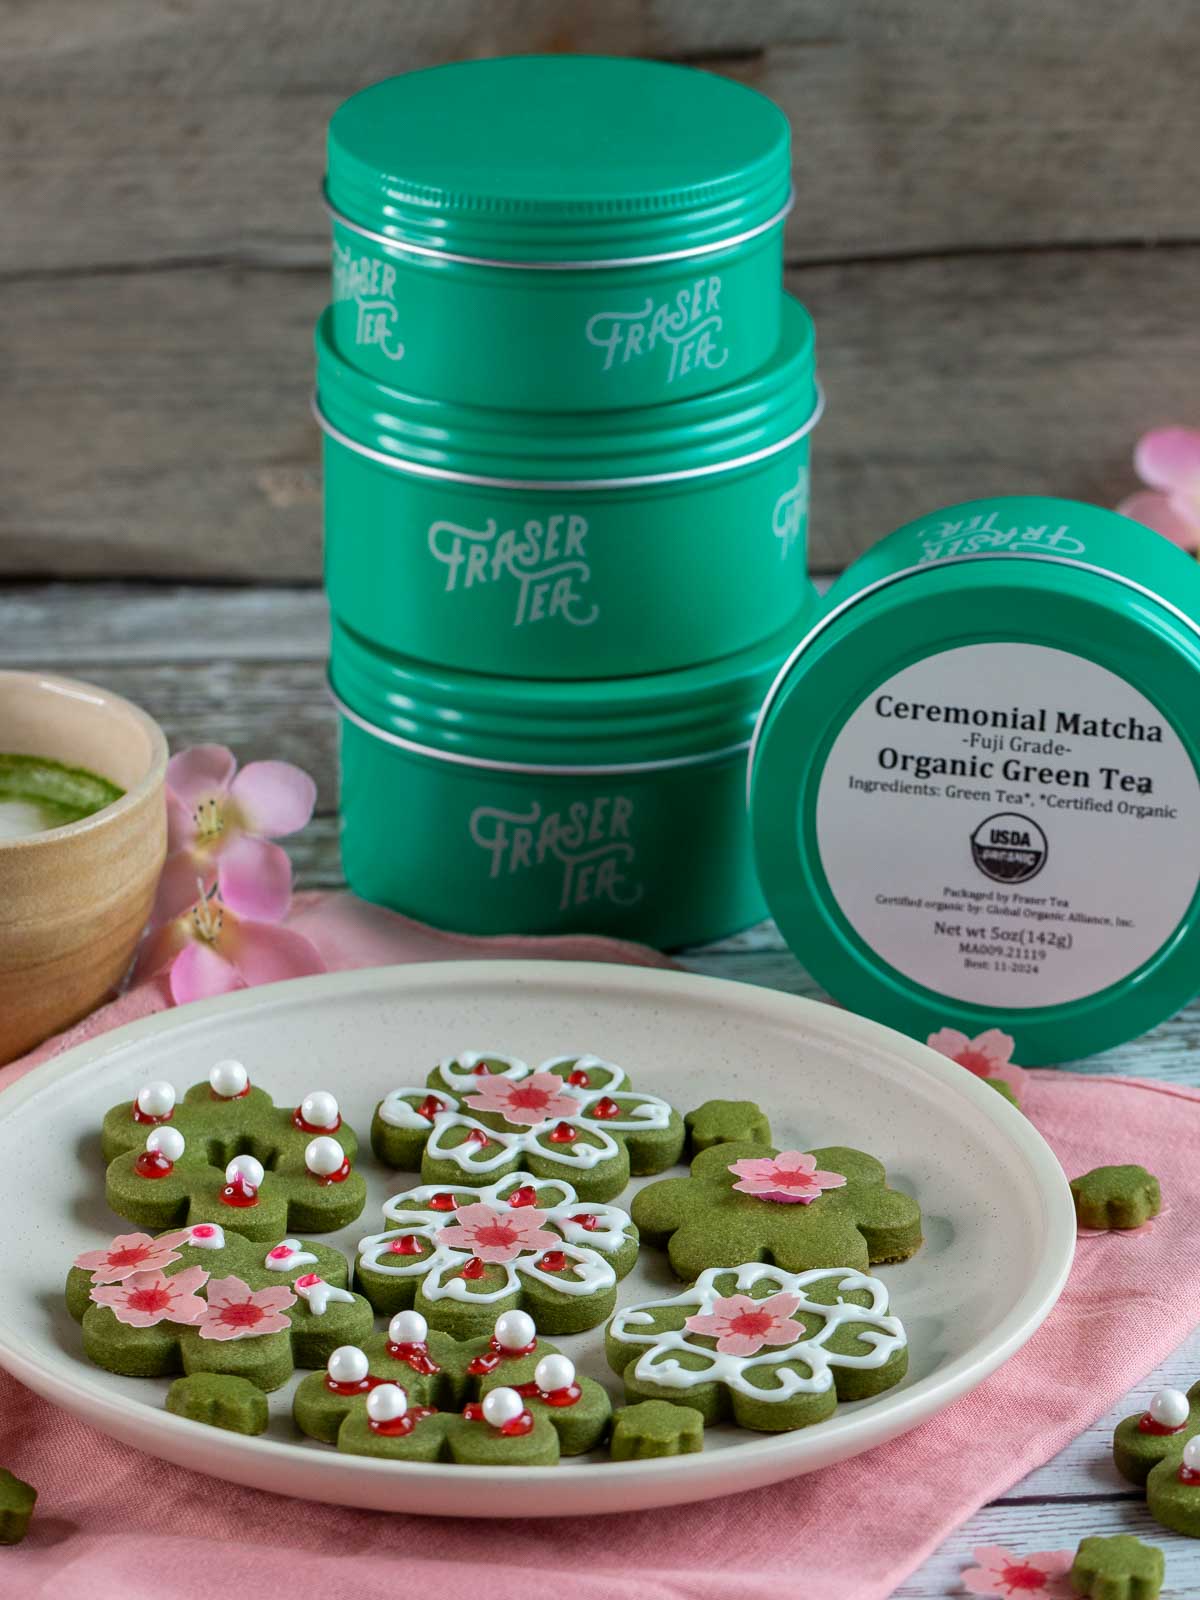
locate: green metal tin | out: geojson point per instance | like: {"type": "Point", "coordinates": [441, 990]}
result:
{"type": "Point", "coordinates": [974, 783]}
{"type": "Point", "coordinates": [493, 806]}
{"type": "Point", "coordinates": [591, 546]}
{"type": "Point", "coordinates": [546, 233]}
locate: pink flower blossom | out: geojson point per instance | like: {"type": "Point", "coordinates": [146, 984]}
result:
{"type": "Point", "coordinates": [988, 1055]}
{"type": "Point", "coordinates": [151, 1297]}
{"type": "Point", "coordinates": [527, 1101]}
{"type": "Point", "coordinates": [742, 1326]}
{"type": "Point", "coordinates": [789, 1178]}
{"type": "Point", "coordinates": [493, 1235]}
{"type": "Point", "coordinates": [1042, 1576]}
{"type": "Point", "coordinates": [219, 823]}
{"type": "Point", "coordinates": [1168, 459]}
{"type": "Point", "coordinates": [132, 1252]}
{"type": "Point", "coordinates": [209, 950]}
{"type": "Point", "coordinates": [235, 1311]}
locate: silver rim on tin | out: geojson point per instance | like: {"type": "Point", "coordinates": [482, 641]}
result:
{"type": "Point", "coordinates": [599, 264]}
{"type": "Point", "coordinates": [885, 582]}
{"type": "Point", "coordinates": [532, 769]}
{"type": "Point", "coordinates": [558, 485]}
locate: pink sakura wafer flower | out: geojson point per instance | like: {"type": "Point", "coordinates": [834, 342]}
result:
{"type": "Point", "coordinates": [1168, 459]}
{"type": "Point", "coordinates": [524, 1101]}
{"type": "Point", "coordinates": [988, 1055]}
{"type": "Point", "coordinates": [132, 1252]}
{"type": "Point", "coordinates": [1041, 1576]}
{"type": "Point", "coordinates": [742, 1326]}
{"type": "Point", "coordinates": [789, 1178]}
{"type": "Point", "coordinates": [235, 1311]}
{"type": "Point", "coordinates": [492, 1235]}
{"type": "Point", "coordinates": [148, 1298]}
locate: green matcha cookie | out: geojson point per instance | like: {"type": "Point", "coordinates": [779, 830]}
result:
{"type": "Point", "coordinates": [726, 1122]}
{"type": "Point", "coordinates": [17, 1501]}
{"type": "Point", "coordinates": [203, 1300]}
{"type": "Point", "coordinates": [1159, 1450]}
{"type": "Point", "coordinates": [483, 1117]}
{"type": "Point", "coordinates": [1116, 1197]}
{"type": "Point", "coordinates": [655, 1428]}
{"type": "Point", "coordinates": [1120, 1568]}
{"type": "Point", "coordinates": [462, 1255]}
{"type": "Point", "coordinates": [746, 1203]}
{"type": "Point", "coordinates": [234, 1404]}
{"type": "Point", "coordinates": [772, 1350]}
{"type": "Point", "coordinates": [507, 1399]}
{"type": "Point", "coordinates": [226, 1153]}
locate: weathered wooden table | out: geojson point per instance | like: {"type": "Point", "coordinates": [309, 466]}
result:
{"type": "Point", "coordinates": [245, 667]}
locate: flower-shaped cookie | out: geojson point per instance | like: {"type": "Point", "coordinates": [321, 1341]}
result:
{"type": "Point", "coordinates": [460, 1255]}
{"type": "Point", "coordinates": [1116, 1197]}
{"type": "Point", "coordinates": [1159, 1449]}
{"type": "Point", "coordinates": [655, 1428]}
{"type": "Point", "coordinates": [483, 1117]}
{"type": "Point", "coordinates": [213, 1301]}
{"type": "Point", "coordinates": [507, 1398]}
{"type": "Point", "coordinates": [169, 1159]}
{"type": "Point", "coordinates": [774, 1350]}
{"type": "Point", "coordinates": [1118, 1568]}
{"type": "Point", "coordinates": [740, 1204]}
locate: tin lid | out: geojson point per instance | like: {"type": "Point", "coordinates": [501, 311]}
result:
{"type": "Point", "coordinates": [709, 433]}
{"type": "Point", "coordinates": [662, 719]}
{"type": "Point", "coordinates": [974, 783]}
{"type": "Point", "coordinates": [535, 160]}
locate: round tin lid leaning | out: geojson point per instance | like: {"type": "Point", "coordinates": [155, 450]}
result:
{"type": "Point", "coordinates": [975, 786]}
{"type": "Point", "coordinates": [590, 159]}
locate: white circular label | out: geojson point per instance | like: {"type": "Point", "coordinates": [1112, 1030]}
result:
{"type": "Point", "coordinates": [1010, 825]}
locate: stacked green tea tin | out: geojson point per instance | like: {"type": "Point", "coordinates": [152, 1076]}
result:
{"type": "Point", "coordinates": [566, 409]}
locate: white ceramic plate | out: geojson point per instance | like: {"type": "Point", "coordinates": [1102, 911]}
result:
{"type": "Point", "coordinates": [999, 1223]}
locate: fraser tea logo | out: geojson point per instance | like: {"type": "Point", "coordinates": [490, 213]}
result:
{"type": "Point", "coordinates": [545, 563]}
{"type": "Point", "coordinates": [685, 325]}
{"type": "Point", "coordinates": [586, 843]}
{"type": "Point", "coordinates": [975, 535]}
{"type": "Point", "coordinates": [790, 511]}
{"type": "Point", "coordinates": [371, 285]}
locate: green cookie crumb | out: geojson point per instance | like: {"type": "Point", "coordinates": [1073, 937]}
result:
{"type": "Point", "coordinates": [1120, 1568]}
{"type": "Point", "coordinates": [221, 1401]}
{"type": "Point", "coordinates": [1116, 1197]}
{"type": "Point", "coordinates": [656, 1428]}
{"type": "Point", "coordinates": [726, 1122]}
{"type": "Point", "coordinates": [17, 1500]}
{"type": "Point", "coordinates": [1004, 1089]}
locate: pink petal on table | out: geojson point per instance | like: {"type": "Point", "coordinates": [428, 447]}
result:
{"type": "Point", "coordinates": [178, 887]}
{"type": "Point", "coordinates": [1169, 458]}
{"type": "Point", "coordinates": [1161, 513]}
{"type": "Point", "coordinates": [197, 774]}
{"type": "Point", "coordinates": [274, 798]}
{"type": "Point", "coordinates": [160, 949]}
{"type": "Point", "coordinates": [264, 953]}
{"type": "Point", "coordinates": [199, 973]}
{"type": "Point", "coordinates": [254, 879]}
{"type": "Point", "coordinates": [181, 824]}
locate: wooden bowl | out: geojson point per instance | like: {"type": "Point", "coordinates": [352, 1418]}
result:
{"type": "Point", "coordinates": [73, 900]}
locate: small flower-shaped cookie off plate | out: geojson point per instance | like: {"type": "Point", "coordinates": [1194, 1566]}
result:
{"type": "Point", "coordinates": [998, 1220]}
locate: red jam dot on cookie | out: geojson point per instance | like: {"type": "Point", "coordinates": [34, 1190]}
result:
{"type": "Point", "coordinates": [579, 1079]}
{"type": "Point", "coordinates": [472, 1269]}
{"type": "Point", "coordinates": [1188, 1474]}
{"type": "Point", "coordinates": [526, 1195]}
{"type": "Point", "coordinates": [414, 1354]}
{"type": "Point", "coordinates": [362, 1387]}
{"type": "Point", "coordinates": [430, 1107]}
{"type": "Point", "coordinates": [587, 1220]}
{"type": "Point", "coordinates": [477, 1136]}
{"type": "Point", "coordinates": [408, 1244]}
{"type": "Point", "coordinates": [472, 1411]}
{"type": "Point", "coordinates": [442, 1202]}
{"type": "Point", "coordinates": [553, 1261]}
{"type": "Point", "coordinates": [550, 1397]}
{"type": "Point", "coordinates": [562, 1133]}
{"type": "Point", "coordinates": [1158, 1429]}
{"type": "Point", "coordinates": [298, 1121]}
{"type": "Point", "coordinates": [480, 1366]}
{"type": "Point", "coordinates": [239, 1193]}
{"type": "Point", "coordinates": [153, 1164]}
{"type": "Point", "coordinates": [605, 1109]}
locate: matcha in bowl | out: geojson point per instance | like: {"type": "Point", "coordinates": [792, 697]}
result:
{"type": "Point", "coordinates": [37, 794]}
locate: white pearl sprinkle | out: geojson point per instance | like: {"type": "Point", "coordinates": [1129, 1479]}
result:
{"type": "Point", "coordinates": [515, 1330]}
{"type": "Point", "coordinates": [248, 1169]}
{"type": "Point", "coordinates": [347, 1364]}
{"type": "Point", "coordinates": [156, 1099]}
{"type": "Point", "coordinates": [319, 1109]}
{"type": "Point", "coordinates": [1191, 1454]}
{"type": "Point", "coordinates": [167, 1141]}
{"type": "Point", "coordinates": [228, 1079]}
{"type": "Point", "coordinates": [1169, 1408]}
{"type": "Point", "coordinates": [501, 1406]}
{"type": "Point", "coordinates": [554, 1372]}
{"type": "Point", "coordinates": [386, 1402]}
{"type": "Point", "coordinates": [408, 1327]}
{"type": "Point", "coordinates": [324, 1156]}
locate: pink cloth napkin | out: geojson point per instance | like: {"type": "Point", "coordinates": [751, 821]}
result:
{"type": "Point", "coordinates": [115, 1525]}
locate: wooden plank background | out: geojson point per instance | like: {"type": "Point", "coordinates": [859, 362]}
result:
{"type": "Point", "coordinates": [996, 230]}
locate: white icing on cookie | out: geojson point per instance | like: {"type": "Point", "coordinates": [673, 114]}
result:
{"type": "Point", "coordinates": [881, 1333]}
{"type": "Point", "coordinates": [462, 1082]}
{"type": "Point", "coordinates": [501, 1147]}
{"type": "Point", "coordinates": [319, 1294]}
{"type": "Point", "coordinates": [287, 1255]}
{"type": "Point", "coordinates": [398, 1113]}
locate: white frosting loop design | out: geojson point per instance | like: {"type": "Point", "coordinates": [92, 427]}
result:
{"type": "Point", "coordinates": [462, 1082]}
{"type": "Point", "coordinates": [589, 1271]}
{"type": "Point", "coordinates": [881, 1334]}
